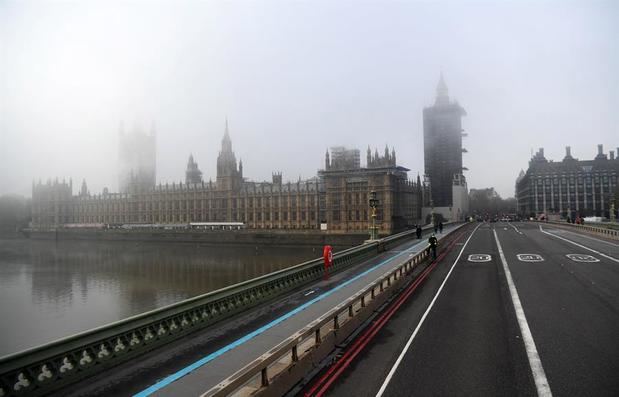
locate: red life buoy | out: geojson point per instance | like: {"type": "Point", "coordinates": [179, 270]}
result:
{"type": "Point", "coordinates": [327, 254]}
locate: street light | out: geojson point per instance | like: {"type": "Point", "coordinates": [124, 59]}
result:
{"type": "Point", "coordinates": [373, 204]}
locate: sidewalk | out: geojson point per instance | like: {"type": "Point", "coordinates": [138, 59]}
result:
{"type": "Point", "coordinates": [213, 368]}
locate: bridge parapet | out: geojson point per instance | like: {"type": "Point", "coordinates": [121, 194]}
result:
{"type": "Point", "coordinates": [48, 367]}
{"type": "Point", "coordinates": [607, 232]}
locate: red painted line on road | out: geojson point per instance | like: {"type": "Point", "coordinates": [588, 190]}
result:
{"type": "Point", "coordinates": [327, 379]}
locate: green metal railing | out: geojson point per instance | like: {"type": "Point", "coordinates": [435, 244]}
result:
{"type": "Point", "coordinates": [48, 367]}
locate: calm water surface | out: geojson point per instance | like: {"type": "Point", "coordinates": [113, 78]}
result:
{"type": "Point", "coordinates": [49, 290]}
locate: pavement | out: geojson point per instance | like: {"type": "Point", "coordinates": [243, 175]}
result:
{"type": "Point", "coordinates": [195, 363]}
{"type": "Point", "coordinates": [461, 334]}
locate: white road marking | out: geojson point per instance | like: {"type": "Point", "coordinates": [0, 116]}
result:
{"type": "Point", "coordinates": [515, 228]}
{"type": "Point", "coordinates": [309, 293]}
{"type": "Point", "coordinates": [479, 258]}
{"type": "Point", "coordinates": [578, 245]}
{"type": "Point", "coordinates": [423, 318]}
{"type": "Point", "coordinates": [539, 376]}
{"type": "Point", "coordinates": [590, 238]}
{"type": "Point", "coordinates": [582, 258]}
{"type": "Point", "coordinates": [530, 258]}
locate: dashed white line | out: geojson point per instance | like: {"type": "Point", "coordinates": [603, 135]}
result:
{"type": "Point", "coordinates": [539, 376]}
{"type": "Point", "coordinates": [423, 318]}
{"type": "Point", "coordinates": [578, 245]}
{"type": "Point", "coordinates": [515, 228]}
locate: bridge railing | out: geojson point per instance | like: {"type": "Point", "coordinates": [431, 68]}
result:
{"type": "Point", "coordinates": [601, 231]}
{"type": "Point", "coordinates": [279, 369]}
{"type": "Point", "coordinates": [45, 368]}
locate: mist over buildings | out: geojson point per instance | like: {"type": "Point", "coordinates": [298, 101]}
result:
{"type": "Point", "coordinates": [294, 78]}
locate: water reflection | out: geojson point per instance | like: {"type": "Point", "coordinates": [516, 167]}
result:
{"type": "Point", "coordinates": [49, 290]}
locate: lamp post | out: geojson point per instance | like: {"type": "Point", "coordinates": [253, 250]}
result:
{"type": "Point", "coordinates": [373, 204]}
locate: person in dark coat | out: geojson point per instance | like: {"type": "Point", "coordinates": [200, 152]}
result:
{"type": "Point", "coordinates": [418, 231]}
{"type": "Point", "coordinates": [440, 227]}
{"type": "Point", "coordinates": [433, 241]}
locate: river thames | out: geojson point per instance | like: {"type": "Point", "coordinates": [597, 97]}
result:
{"type": "Point", "coordinates": [49, 290]}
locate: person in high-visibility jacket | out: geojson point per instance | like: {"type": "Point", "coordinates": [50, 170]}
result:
{"type": "Point", "coordinates": [433, 241]}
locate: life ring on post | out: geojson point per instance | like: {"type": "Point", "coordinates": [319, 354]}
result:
{"type": "Point", "coordinates": [327, 254]}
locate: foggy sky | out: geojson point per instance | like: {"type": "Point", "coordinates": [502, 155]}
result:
{"type": "Point", "coordinates": [294, 78]}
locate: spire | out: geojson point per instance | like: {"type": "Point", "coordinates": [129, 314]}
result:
{"type": "Point", "coordinates": [327, 160]}
{"type": "Point", "coordinates": [226, 143]}
{"type": "Point", "coordinates": [84, 189]}
{"type": "Point", "coordinates": [442, 93]}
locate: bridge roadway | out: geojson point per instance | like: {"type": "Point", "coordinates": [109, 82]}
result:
{"type": "Point", "coordinates": [468, 340]}
{"type": "Point", "coordinates": [191, 365]}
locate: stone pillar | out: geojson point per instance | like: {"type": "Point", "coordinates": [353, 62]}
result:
{"type": "Point", "coordinates": [536, 197]}
{"type": "Point", "coordinates": [569, 205]}
{"type": "Point", "coordinates": [584, 193]}
{"type": "Point", "coordinates": [560, 198]}
{"type": "Point", "coordinates": [552, 194]}
{"type": "Point", "coordinates": [544, 195]}
{"type": "Point", "coordinates": [602, 195]}
{"type": "Point", "coordinates": [593, 194]}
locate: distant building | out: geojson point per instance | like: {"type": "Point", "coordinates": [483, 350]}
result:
{"type": "Point", "coordinates": [570, 187]}
{"type": "Point", "coordinates": [442, 141]}
{"type": "Point", "coordinates": [336, 200]}
{"type": "Point", "coordinates": [137, 160]}
{"type": "Point", "coordinates": [347, 187]}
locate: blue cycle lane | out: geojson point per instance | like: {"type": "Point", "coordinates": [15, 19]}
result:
{"type": "Point", "coordinates": [211, 369]}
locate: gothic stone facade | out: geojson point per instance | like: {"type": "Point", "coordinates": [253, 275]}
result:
{"type": "Point", "coordinates": [347, 187]}
{"type": "Point", "coordinates": [569, 187]}
{"type": "Point", "coordinates": [339, 198]}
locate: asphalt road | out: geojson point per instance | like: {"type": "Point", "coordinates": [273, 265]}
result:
{"type": "Point", "coordinates": [471, 340]}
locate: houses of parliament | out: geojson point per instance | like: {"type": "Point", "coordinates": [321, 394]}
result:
{"type": "Point", "coordinates": [334, 201]}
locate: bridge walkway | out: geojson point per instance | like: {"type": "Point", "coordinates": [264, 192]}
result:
{"type": "Point", "coordinates": [211, 369]}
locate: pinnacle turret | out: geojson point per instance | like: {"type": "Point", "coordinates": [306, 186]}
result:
{"type": "Point", "coordinates": [442, 93]}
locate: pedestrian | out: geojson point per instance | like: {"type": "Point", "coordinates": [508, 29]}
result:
{"type": "Point", "coordinates": [435, 228]}
{"type": "Point", "coordinates": [440, 227]}
{"type": "Point", "coordinates": [433, 244]}
{"type": "Point", "coordinates": [418, 231]}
